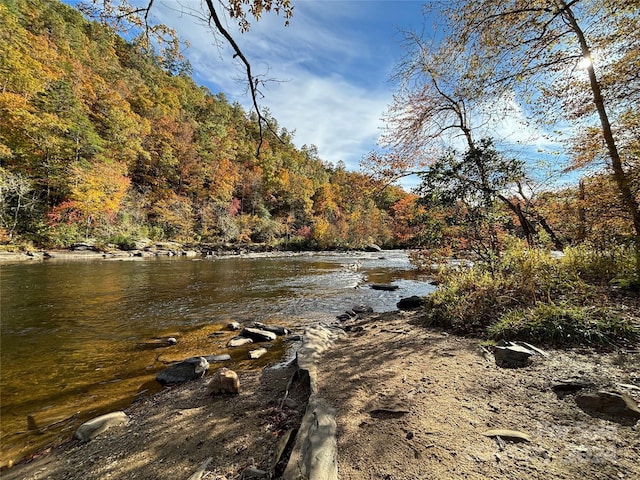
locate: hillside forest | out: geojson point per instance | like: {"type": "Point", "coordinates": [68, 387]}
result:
{"type": "Point", "coordinates": [101, 139]}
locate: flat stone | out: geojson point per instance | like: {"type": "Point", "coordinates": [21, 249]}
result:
{"type": "Point", "coordinates": [258, 335]}
{"type": "Point", "coordinates": [239, 341]}
{"type": "Point", "coordinates": [234, 326]}
{"type": "Point", "coordinates": [512, 356]}
{"type": "Point", "coordinates": [94, 427]}
{"type": "Point", "coordinates": [225, 357]}
{"type": "Point", "coordinates": [610, 403]}
{"type": "Point", "coordinates": [508, 434]}
{"type": "Point", "coordinates": [255, 354]}
{"type": "Point", "coordinates": [277, 329]}
{"type": "Point", "coordinates": [189, 369]}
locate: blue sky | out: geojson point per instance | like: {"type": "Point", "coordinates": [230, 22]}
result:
{"type": "Point", "coordinates": [333, 63]}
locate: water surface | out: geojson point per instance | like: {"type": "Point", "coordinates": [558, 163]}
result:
{"type": "Point", "coordinates": [73, 332]}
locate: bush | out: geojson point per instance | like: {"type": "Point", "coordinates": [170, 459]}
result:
{"type": "Point", "coordinates": [564, 324]}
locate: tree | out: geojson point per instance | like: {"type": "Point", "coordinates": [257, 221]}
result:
{"type": "Point", "coordinates": [574, 60]}
{"type": "Point", "coordinates": [124, 15]}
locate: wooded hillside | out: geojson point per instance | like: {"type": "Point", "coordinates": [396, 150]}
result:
{"type": "Point", "coordinates": [99, 140]}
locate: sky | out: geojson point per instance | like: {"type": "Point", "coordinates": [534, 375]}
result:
{"type": "Point", "coordinates": [332, 67]}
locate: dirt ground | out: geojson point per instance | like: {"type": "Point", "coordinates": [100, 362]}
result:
{"type": "Point", "coordinates": [411, 403]}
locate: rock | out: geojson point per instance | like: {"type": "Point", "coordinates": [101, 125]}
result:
{"type": "Point", "coordinates": [225, 357]}
{"type": "Point", "coordinates": [570, 385]}
{"type": "Point", "coordinates": [189, 369]}
{"type": "Point", "coordinates": [96, 426]}
{"type": "Point", "coordinates": [255, 354]}
{"type": "Point", "coordinates": [384, 286]}
{"type": "Point", "coordinates": [351, 313]}
{"type": "Point", "coordinates": [277, 329]}
{"type": "Point", "coordinates": [293, 338]}
{"type": "Point", "coordinates": [372, 247]}
{"type": "Point", "coordinates": [157, 343]}
{"type": "Point", "coordinates": [258, 335]}
{"type": "Point", "coordinates": [508, 434]}
{"type": "Point", "coordinates": [239, 341]}
{"type": "Point", "coordinates": [609, 403]}
{"type": "Point", "coordinates": [410, 303]}
{"type": "Point", "coordinates": [362, 309]}
{"type": "Point", "coordinates": [190, 253]}
{"type": "Point", "coordinates": [512, 356]}
{"type": "Point", "coordinates": [224, 381]}
{"type": "Point", "coordinates": [343, 317]}
{"type": "Point", "coordinates": [234, 326]}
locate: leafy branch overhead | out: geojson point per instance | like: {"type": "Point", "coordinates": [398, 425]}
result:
{"type": "Point", "coordinates": [127, 18]}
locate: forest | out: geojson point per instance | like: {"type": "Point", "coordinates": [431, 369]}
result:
{"type": "Point", "coordinates": [103, 139]}
{"type": "Point", "coordinates": [100, 140]}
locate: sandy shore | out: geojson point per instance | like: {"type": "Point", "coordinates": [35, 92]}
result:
{"type": "Point", "coordinates": [410, 403]}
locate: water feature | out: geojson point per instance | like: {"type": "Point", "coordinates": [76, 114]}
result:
{"type": "Point", "coordinates": [73, 332]}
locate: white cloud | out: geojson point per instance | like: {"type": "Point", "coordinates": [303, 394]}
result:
{"type": "Point", "coordinates": [314, 96]}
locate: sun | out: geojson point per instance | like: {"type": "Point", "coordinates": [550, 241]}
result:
{"type": "Point", "coordinates": [585, 62]}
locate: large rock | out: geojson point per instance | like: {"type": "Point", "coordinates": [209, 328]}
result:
{"type": "Point", "coordinates": [609, 403]}
{"type": "Point", "coordinates": [189, 369]}
{"type": "Point", "coordinates": [94, 427]}
{"type": "Point", "coordinates": [224, 381]}
{"type": "Point", "coordinates": [372, 247]}
{"type": "Point", "coordinates": [410, 303]}
{"type": "Point", "coordinates": [258, 335]}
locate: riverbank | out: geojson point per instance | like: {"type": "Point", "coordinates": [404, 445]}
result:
{"type": "Point", "coordinates": [410, 403]}
{"type": "Point", "coordinates": [88, 251]}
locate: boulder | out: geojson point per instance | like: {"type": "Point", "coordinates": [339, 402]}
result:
{"type": "Point", "coordinates": [410, 303]}
{"type": "Point", "coordinates": [239, 341]}
{"type": "Point", "coordinates": [384, 286]}
{"type": "Point", "coordinates": [512, 356]}
{"type": "Point", "coordinates": [91, 429]}
{"type": "Point", "coordinates": [277, 329]}
{"type": "Point", "coordinates": [224, 381]}
{"type": "Point", "coordinates": [372, 247]}
{"type": "Point", "coordinates": [258, 335]}
{"type": "Point", "coordinates": [189, 369]}
{"type": "Point", "coordinates": [609, 403]}
{"type": "Point", "coordinates": [234, 326]}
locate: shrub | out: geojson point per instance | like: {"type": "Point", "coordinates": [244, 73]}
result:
{"type": "Point", "coordinates": [564, 324]}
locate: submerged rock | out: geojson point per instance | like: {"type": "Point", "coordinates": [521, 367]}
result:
{"type": "Point", "coordinates": [384, 286]}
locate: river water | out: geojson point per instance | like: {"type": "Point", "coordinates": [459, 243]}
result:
{"type": "Point", "coordinates": [74, 333]}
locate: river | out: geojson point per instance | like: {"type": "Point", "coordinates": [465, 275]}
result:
{"type": "Point", "coordinates": [73, 332]}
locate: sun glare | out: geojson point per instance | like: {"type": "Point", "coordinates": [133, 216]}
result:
{"type": "Point", "coordinates": [584, 63]}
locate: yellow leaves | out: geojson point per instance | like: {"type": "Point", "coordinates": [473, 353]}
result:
{"type": "Point", "coordinates": [99, 190]}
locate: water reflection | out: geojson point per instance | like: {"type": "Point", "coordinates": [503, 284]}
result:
{"type": "Point", "coordinates": [70, 329]}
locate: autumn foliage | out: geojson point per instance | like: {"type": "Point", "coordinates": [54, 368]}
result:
{"type": "Point", "coordinates": [100, 139]}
